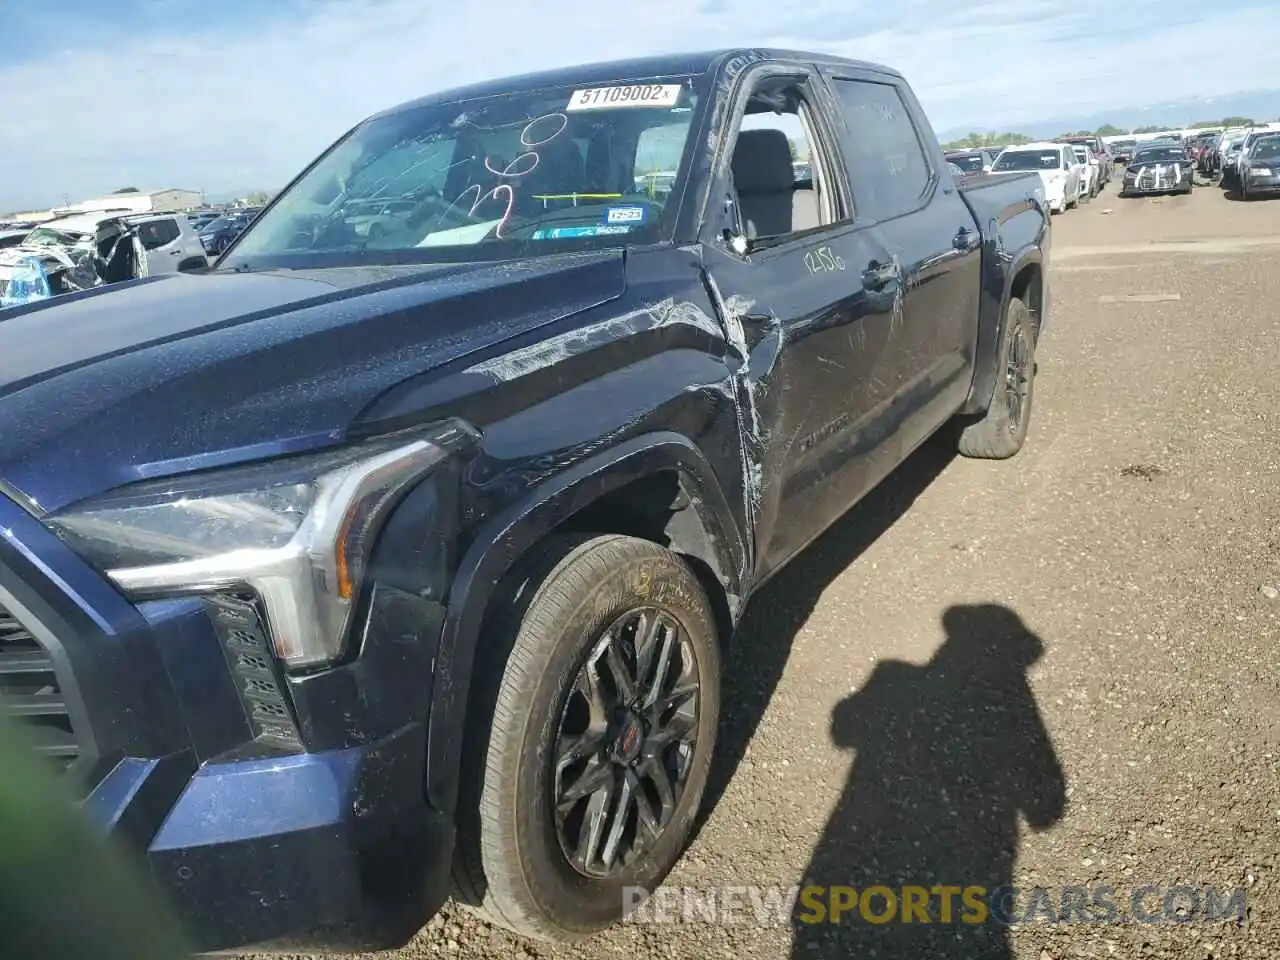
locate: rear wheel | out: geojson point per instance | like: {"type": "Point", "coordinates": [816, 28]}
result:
{"type": "Point", "coordinates": [593, 736]}
{"type": "Point", "coordinates": [1003, 429]}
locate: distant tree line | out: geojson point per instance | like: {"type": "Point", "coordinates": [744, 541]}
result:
{"type": "Point", "coordinates": [976, 141]}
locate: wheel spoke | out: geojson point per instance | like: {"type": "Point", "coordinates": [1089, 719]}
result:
{"type": "Point", "coordinates": [621, 811]}
{"type": "Point", "coordinates": [591, 832]}
{"type": "Point", "coordinates": [655, 771]}
{"type": "Point", "coordinates": [599, 775]}
{"type": "Point", "coordinates": [678, 698]}
{"type": "Point", "coordinates": [619, 670]}
{"type": "Point", "coordinates": [649, 629]}
{"type": "Point", "coordinates": [664, 639]}
{"type": "Point", "coordinates": [571, 749]}
{"type": "Point", "coordinates": [651, 821]}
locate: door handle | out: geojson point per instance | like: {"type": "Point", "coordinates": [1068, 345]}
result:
{"type": "Point", "coordinates": [877, 276]}
{"type": "Point", "coordinates": [966, 240]}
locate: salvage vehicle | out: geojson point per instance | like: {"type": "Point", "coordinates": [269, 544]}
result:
{"type": "Point", "coordinates": [361, 569]}
{"type": "Point", "coordinates": [1260, 169]}
{"type": "Point", "coordinates": [1056, 165]}
{"type": "Point", "coordinates": [83, 251]}
{"type": "Point", "coordinates": [78, 253]}
{"type": "Point", "coordinates": [1159, 168]}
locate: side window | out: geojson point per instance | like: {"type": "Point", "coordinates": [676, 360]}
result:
{"type": "Point", "coordinates": [157, 233]}
{"type": "Point", "coordinates": [779, 167]}
{"type": "Point", "coordinates": [887, 163]}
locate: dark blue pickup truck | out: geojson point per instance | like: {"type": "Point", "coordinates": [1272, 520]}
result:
{"type": "Point", "coordinates": [398, 555]}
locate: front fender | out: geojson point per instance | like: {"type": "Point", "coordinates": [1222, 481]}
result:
{"type": "Point", "coordinates": [502, 542]}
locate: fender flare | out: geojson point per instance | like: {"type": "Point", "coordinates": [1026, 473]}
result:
{"type": "Point", "coordinates": [985, 373]}
{"type": "Point", "coordinates": [508, 537]}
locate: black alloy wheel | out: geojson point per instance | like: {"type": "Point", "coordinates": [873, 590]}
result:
{"type": "Point", "coordinates": [1017, 377]}
{"type": "Point", "coordinates": [590, 734]}
{"type": "Point", "coordinates": [625, 744]}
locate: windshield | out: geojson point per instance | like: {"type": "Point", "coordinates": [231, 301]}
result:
{"type": "Point", "coordinates": [968, 162]}
{"type": "Point", "coordinates": [213, 226]}
{"type": "Point", "coordinates": [1028, 160]}
{"type": "Point", "coordinates": [510, 175]}
{"type": "Point", "coordinates": [1160, 155]}
{"type": "Point", "coordinates": [1266, 148]}
{"type": "Point", "coordinates": [49, 237]}
{"type": "Point", "coordinates": [1082, 154]}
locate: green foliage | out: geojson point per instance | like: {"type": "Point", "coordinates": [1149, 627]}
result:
{"type": "Point", "coordinates": [1224, 122]}
{"type": "Point", "coordinates": [977, 141]}
{"type": "Point", "coordinates": [1107, 130]}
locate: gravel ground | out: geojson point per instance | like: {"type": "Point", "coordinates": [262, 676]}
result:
{"type": "Point", "coordinates": [1059, 670]}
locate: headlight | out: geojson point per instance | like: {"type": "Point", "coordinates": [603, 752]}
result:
{"type": "Point", "coordinates": [297, 532]}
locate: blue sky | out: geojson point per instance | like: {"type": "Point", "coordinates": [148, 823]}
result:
{"type": "Point", "coordinates": [239, 94]}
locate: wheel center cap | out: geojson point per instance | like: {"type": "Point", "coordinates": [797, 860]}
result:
{"type": "Point", "coordinates": [630, 736]}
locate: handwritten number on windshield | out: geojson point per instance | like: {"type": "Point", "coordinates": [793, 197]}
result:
{"type": "Point", "coordinates": [537, 132]}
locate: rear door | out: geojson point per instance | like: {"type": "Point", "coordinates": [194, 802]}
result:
{"type": "Point", "coordinates": [161, 238]}
{"type": "Point", "coordinates": [930, 234]}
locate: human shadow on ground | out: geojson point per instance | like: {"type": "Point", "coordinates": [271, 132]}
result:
{"type": "Point", "coordinates": [949, 757]}
{"type": "Point", "coordinates": [776, 614]}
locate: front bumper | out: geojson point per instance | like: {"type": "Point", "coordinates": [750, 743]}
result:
{"type": "Point", "coordinates": [1264, 185]}
{"type": "Point", "coordinates": [273, 812]}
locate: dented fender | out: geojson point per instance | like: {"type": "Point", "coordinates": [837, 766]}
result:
{"type": "Point", "coordinates": [707, 532]}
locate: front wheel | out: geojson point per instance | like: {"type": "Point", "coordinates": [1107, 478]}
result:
{"type": "Point", "coordinates": [1003, 428]}
{"type": "Point", "coordinates": [593, 736]}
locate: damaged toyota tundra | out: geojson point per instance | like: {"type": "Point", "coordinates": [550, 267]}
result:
{"type": "Point", "coordinates": [398, 556]}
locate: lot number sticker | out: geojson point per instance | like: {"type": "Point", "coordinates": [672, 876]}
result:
{"type": "Point", "coordinates": [636, 95]}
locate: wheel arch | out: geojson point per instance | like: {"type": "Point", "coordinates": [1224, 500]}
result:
{"type": "Point", "coordinates": [1024, 279]}
{"type": "Point", "coordinates": [591, 497]}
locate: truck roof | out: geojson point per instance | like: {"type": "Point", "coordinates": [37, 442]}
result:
{"type": "Point", "coordinates": [614, 71]}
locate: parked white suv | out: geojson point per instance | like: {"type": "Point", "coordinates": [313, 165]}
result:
{"type": "Point", "coordinates": [170, 241]}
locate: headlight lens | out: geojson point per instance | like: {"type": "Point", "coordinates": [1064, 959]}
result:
{"type": "Point", "coordinates": [298, 532]}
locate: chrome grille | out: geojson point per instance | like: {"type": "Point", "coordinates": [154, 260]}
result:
{"type": "Point", "coordinates": [29, 690]}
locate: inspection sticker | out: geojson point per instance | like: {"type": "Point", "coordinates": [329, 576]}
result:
{"type": "Point", "coordinates": [625, 214]}
{"type": "Point", "coordinates": [633, 95]}
{"type": "Point", "coordinates": [567, 233]}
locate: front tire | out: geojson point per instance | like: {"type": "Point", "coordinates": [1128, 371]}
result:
{"type": "Point", "coordinates": [1003, 428]}
{"type": "Point", "coordinates": [593, 736]}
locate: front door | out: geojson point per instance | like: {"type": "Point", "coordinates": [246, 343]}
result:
{"type": "Point", "coordinates": [812, 304]}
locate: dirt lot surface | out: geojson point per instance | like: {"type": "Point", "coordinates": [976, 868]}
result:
{"type": "Point", "coordinates": [1056, 671]}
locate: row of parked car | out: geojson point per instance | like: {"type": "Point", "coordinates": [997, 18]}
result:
{"type": "Point", "coordinates": [85, 250]}
{"type": "Point", "coordinates": [1073, 170]}
{"type": "Point", "coordinates": [1246, 159]}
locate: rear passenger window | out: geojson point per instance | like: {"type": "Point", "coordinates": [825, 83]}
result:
{"type": "Point", "coordinates": [157, 233]}
{"type": "Point", "coordinates": [887, 164]}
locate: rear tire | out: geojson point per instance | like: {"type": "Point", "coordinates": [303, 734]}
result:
{"type": "Point", "coordinates": [559, 611]}
{"type": "Point", "coordinates": [1003, 428]}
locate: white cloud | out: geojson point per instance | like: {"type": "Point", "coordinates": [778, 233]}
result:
{"type": "Point", "coordinates": [243, 108]}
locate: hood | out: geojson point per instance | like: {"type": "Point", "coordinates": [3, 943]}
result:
{"type": "Point", "coordinates": [179, 372]}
